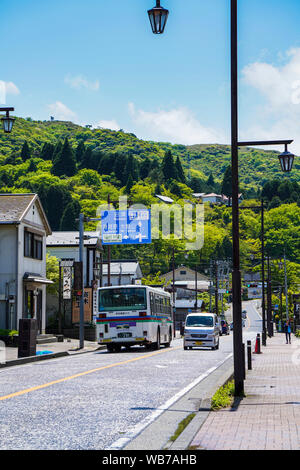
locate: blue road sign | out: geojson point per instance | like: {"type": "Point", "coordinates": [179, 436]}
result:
{"type": "Point", "coordinates": [126, 227]}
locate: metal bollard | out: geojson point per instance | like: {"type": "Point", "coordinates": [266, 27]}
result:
{"type": "Point", "coordinates": [264, 338]}
{"type": "Point", "coordinates": [249, 350]}
{"type": "Point", "coordinates": [258, 344]}
{"type": "Point", "coordinates": [244, 362]}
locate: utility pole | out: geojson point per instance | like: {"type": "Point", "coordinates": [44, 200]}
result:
{"type": "Point", "coordinates": [196, 289]}
{"type": "Point", "coordinates": [264, 334]}
{"type": "Point", "coordinates": [217, 288]}
{"type": "Point", "coordinates": [286, 289]}
{"type": "Point", "coordinates": [174, 296]}
{"type": "Point", "coordinates": [269, 298]}
{"type": "Point", "coordinates": [210, 286]}
{"type": "Point", "coordinates": [81, 242]}
{"type": "Point", "coordinates": [108, 253]}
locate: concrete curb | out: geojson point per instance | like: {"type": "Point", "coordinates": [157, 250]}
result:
{"type": "Point", "coordinates": [26, 360]}
{"type": "Point", "coordinates": [156, 436]}
{"type": "Point", "coordinates": [217, 379]}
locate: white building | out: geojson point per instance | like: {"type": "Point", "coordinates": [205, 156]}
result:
{"type": "Point", "coordinates": [23, 230]}
{"type": "Point", "coordinates": [122, 273]}
{"type": "Point", "coordinates": [65, 246]}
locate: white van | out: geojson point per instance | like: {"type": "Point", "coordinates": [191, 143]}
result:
{"type": "Point", "coordinates": [201, 330]}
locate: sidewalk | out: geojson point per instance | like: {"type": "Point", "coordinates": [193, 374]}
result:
{"type": "Point", "coordinates": [268, 418]}
{"type": "Point", "coordinates": [71, 346]}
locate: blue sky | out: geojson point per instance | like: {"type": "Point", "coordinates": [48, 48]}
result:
{"type": "Point", "coordinates": [97, 62]}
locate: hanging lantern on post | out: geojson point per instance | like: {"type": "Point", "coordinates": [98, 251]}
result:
{"type": "Point", "coordinates": [8, 123]}
{"type": "Point", "coordinates": [286, 160]}
{"type": "Point", "coordinates": [158, 18]}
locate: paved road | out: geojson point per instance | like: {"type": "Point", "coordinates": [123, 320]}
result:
{"type": "Point", "coordinates": [94, 400]}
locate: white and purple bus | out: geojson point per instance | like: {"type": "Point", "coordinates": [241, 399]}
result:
{"type": "Point", "coordinates": [134, 315]}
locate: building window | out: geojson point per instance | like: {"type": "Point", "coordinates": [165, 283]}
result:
{"type": "Point", "coordinates": [33, 246]}
{"type": "Point", "coordinates": [182, 273]}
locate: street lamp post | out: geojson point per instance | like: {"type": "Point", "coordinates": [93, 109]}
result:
{"type": "Point", "coordinates": [286, 289]}
{"type": "Point", "coordinates": [158, 17]}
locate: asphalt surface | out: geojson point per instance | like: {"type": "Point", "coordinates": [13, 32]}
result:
{"type": "Point", "coordinates": [93, 400]}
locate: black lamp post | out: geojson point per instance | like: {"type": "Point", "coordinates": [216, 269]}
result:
{"type": "Point", "coordinates": [158, 18]}
{"type": "Point", "coordinates": [7, 120]}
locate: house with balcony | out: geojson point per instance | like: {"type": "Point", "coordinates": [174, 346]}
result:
{"type": "Point", "coordinates": [23, 231]}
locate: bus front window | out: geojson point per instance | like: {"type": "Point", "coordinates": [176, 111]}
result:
{"type": "Point", "coordinates": [122, 299]}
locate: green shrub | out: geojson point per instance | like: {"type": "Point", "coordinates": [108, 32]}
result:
{"type": "Point", "coordinates": [8, 332]}
{"type": "Point", "coordinates": [223, 397]}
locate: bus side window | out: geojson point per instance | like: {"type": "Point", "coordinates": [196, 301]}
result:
{"type": "Point", "coordinates": [169, 307]}
{"type": "Point", "coordinates": [156, 304]}
{"type": "Point", "coordinates": [152, 305]}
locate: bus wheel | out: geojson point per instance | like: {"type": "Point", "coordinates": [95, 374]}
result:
{"type": "Point", "coordinates": [168, 344]}
{"type": "Point", "coordinates": [110, 348]}
{"type": "Point", "coordinates": [157, 344]}
{"type": "Point", "coordinates": [117, 348]}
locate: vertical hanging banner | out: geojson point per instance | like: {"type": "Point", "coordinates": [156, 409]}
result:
{"type": "Point", "coordinates": [67, 283]}
{"type": "Point", "coordinates": [126, 227]}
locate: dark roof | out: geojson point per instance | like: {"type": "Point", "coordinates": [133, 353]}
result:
{"type": "Point", "coordinates": [72, 239]}
{"type": "Point", "coordinates": [14, 207]}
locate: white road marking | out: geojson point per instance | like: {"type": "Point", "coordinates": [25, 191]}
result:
{"type": "Point", "coordinates": [134, 432]}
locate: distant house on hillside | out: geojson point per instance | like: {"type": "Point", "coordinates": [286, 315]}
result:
{"type": "Point", "coordinates": [214, 198]}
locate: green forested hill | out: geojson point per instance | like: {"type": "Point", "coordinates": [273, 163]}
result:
{"type": "Point", "coordinates": [256, 166]}
{"type": "Point", "coordinates": [74, 169]}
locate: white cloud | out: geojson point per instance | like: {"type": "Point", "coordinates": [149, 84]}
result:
{"type": "Point", "coordinates": [113, 125]}
{"type": "Point", "coordinates": [279, 118]}
{"type": "Point", "coordinates": [79, 82]}
{"type": "Point", "coordinates": [7, 88]}
{"type": "Point", "coordinates": [178, 126]}
{"type": "Point", "coordinates": [61, 112]}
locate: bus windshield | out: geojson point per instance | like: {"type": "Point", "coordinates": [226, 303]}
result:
{"type": "Point", "coordinates": [122, 299]}
{"type": "Point", "coordinates": [200, 321]}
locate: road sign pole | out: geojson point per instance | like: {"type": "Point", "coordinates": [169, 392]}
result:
{"type": "Point", "coordinates": [81, 327]}
{"type": "Point", "coordinates": [108, 253]}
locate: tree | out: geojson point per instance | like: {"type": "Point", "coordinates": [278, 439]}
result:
{"type": "Point", "coordinates": [210, 181]}
{"type": "Point", "coordinates": [168, 167]}
{"type": "Point", "coordinates": [86, 159]}
{"type": "Point", "coordinates": [32, 166]}
{"type": "Point", "coordinates": [145, 168]}
{"type": "Point", "coordinates": [130, 168]}
{"type": "Point", "coordinates": [106, 164]}
{"type": "Point", "coordinates": [47, 151]}
{"type": "Point", "coordinates": [119, 167]}
{"type": "Point", "coordinates": [180, 172]}
{"type": "Point", "coordinates": [52, 269]}
{"type": "Point", "coordinates": [71, 213]}
{"type": "Point", "coordinates": [276, 202]}
{"type": "Point", "coordinates": [25, 152]}
{"type": "Point", "coordinates": [175, 189]}
{"type": "Point", "coordinates": [54, 200]}
{"type": "Point", "coordinates": [129, 185]}
{"type": "Point", "coordinates": [64, 163]}
{"type": "Point", "coordinates": [227, 183]}
{"type": "Point", "coordinates": [80, 151]}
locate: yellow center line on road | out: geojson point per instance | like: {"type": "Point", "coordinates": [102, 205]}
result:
{"type": "Point", "coordinates": [81, 374]}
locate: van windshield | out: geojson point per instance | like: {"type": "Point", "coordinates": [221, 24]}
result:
{"type": "Point", "coordinates": [200, 321]}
